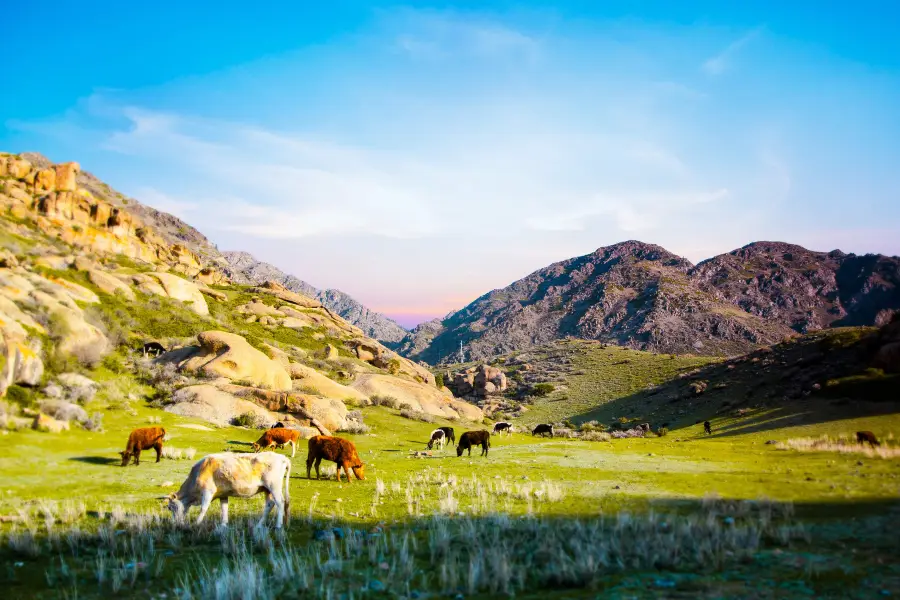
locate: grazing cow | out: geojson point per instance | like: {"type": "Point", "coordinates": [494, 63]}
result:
{"type": "Point", "coordinates": [277, 438]}
{"type": "Point", "coordinates": [542, 430]}
{"type": "Point", "coordinates": [645, 427]}
{"type": "Point", "coordinates": [153, 349]}
{"type": "Point", "coordinates": [337, 450]}
{"type": "Point", "coordinates": [438, 437]}
{"type": "Point", "coordinates": [143, 438]}
{"type": "Point", "coordinates": [474, 438]}
{"type": "Point", "coordinates": [707, 427]}
{"type": "Point", "coordinates": [449, 434]}
{"type": "Point", "coordinates": [227, 474]}
{"type": "Point", "coordinates": [867, 437]}
{"type": "Point", "coordinates": [502, 427]}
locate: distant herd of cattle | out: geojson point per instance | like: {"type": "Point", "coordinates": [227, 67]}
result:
{"type": "Point", "coordinates": [223, 475]}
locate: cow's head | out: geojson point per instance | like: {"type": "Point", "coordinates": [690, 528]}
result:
{"type": "Point", "coordinates": [359, 470]}
{"type": "Point", "coordinates": [256, 447]}
{"type": "Point", "coordinates": [176, 507]}
{"type": "Point", "coordinates": [459, 450]}
{"type": "Point", "coordinates": [126, 456]}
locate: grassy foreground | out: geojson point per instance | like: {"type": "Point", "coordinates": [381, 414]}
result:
{"type": "Point", "coordinates": [537, 518]}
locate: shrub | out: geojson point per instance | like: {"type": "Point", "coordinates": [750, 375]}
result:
{"type": "Point", "coordinates": [94, 423]}
{"type": "Point", "coordinates": [355, 427]}
{"type": "Point", "coordinates": [248, 419]}
{"type": "Point", "coordinates": [388, 401]}
{"type": "Point", "coordinates": [592, 426]}
{"type": "Point", "coordinates": [416, 415]}
{"type": "Point", "coordinates": [542, 389]}
{"type": "Point", "coordinates": [308, 389]}
{"type": "Point", "coordinates": [393, 366]}
{"type": "Point", "coordinates": [115, 362]}
{"type": "Point", "coordinates": [439, 380]}
{"type": "Point", "coordinates": [596, 436]}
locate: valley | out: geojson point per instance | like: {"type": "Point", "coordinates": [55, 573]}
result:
{"type": "Point", "coordinates": [115, 316]}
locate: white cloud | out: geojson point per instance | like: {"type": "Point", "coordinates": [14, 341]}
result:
{"type": "Point", "coordinates": [721, 62]}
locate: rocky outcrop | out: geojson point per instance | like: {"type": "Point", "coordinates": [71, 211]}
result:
{"type": "Point", "coordinates": [244, 268]}
{"type": "Point", "coordinates": [642, 296]}
{"type": "Point", "coordinates": [209, 403]}
{"type": "Point", "coordinates": [419, 396]}
{"type": "Point", "coordinates": [221, 354]}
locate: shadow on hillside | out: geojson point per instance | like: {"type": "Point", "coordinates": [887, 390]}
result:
{"type": "Point", "coordinates": [97, 460]}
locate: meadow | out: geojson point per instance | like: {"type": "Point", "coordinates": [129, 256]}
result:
{"type": "Point", "coordinates": [686, 515]}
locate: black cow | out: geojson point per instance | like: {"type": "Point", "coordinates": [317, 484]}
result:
{"type": "Point", "coordinates": [449, 433]}
{"type": "Point", "coordinates": [867, 437]}
{"type": "Point", "coordinates": [474, 438]}
{"type": "Point", "coordinates": [542, 430]}
{"type": "Point", "coordinates": [707, 427]}
{"type": "Point", "coordinates": [502, 427]}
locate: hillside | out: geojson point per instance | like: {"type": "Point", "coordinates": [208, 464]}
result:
{"type": "Point", "coordinates": [814, 378]}
{"type": "Point", "coordinates": [244, 268]}
{"type": "Point", "coordinates": [241, 267]}
{"type": "Point", "coordinates": [642, 296]}
{"type": "Point", "coordinates": [85, 285]}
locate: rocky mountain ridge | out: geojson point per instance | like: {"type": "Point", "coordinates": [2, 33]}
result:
{"type": "Point", "coordinates": [198, 252]}
{"type": "Point", "coordinates": [643, 296]}
{"type": "Point", "coordinates": [244, 268]}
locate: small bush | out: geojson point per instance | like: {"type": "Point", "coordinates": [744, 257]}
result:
{"type": "Point", "coordinates": [662, 431]}
{"type": "Point", "coordinates": [542, 389]}
{"type": "Point", "coordinates": [308, 389]}
{"type": "Point", "coordinates": [388, 401]}
{"type": "Point", "coordinates": [439, 380]}
{"type": "Point", "coordinates": [94, 423]}
{"type": "Point", "coordinates": [416, 415]}
{"type": "Point", "coordinates": [248, 419]}
{"type": "Point", "coordinates": [596, 436]}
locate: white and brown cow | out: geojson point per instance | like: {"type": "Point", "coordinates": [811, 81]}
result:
{"type": "Point", "coordinates": [227, 474]}
{"type": "Point", "coordinates": [438, 438]}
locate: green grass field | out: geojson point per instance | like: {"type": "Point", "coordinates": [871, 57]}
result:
{"type": "Point", "coordinates": [75, 478]}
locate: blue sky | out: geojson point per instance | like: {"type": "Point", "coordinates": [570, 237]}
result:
{"type": "Point", "coordinates": [419, 155]}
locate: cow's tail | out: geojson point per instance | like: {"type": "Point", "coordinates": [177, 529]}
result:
{"type": "Point", "coordinates": [287, 495]}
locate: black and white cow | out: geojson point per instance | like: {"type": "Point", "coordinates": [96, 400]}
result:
{"type": "Point", "coordinates": [438, 438]}
{"type": "Point", "coordinates": [502, 427]}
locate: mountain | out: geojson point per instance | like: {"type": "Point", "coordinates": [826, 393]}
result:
{"type": "Point", "coordinates": [642, 296]}
{"type": "Point", "coordinates": [244, 268]}
{"type": "Point", "coordinates": [240, 266]}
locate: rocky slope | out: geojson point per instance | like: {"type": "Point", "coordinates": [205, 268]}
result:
{"type": "Point", "coordinates": [642, 296]}
{"type": "Point", "coordinates": [87, 286]}
{"type": "Point", "coordinates": [244, 268]}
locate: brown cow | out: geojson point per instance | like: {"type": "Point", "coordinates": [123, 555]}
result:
{"type": "Point", "coordinates": [337, 450]}
{"type": "Point", "coordinates": [277, 437]}
{"type": "Point", "coordinates": [474, 438]}
{"type": "Point", "coordinates": [867, 437]}
{"type": "Point", "coordinates": [143, 438]}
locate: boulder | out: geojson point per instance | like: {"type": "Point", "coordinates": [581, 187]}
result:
{"type": "Point", "coordinates": [211, 404]}
{"type": "Point", "coordinates": [255, 307]}
{"type": "Point", "coordinates": [489, 380]}
{"type": "Point", "coordinates": [66, 174]}
{"type": "Point", "coordinates": [44, 181]}
{"type": "Point", "coordinates": [211, 276]}
{"type": "Point", "coordinates": [274, 288]}
{"type": "Point", "coordinates": [178, 288]}
{"type": "Point", "coordinates": [147, 284]}
{"type": "Point", "coordinates": [25, 366]}
{"type": "Point", "coordinates": [278, 355]}
{"type": "Point", "coordinates": [309, 378]}
{"type": "Point", "coordinates": [17, 168]}
{"type": "Point", "coordinates": [222, 354]}
{"type": "Point", "coordinates": [109, 284]}
{"type": "Point", "coordinates": [8, 260]}
{"type": "Point", "coordinates": [325, 414]}
{"type": "Point", "coordinates": [48, 424]}
{"type": "Point", "coordinates": [888, 357]}
{"type": "Point", "coordinates": [214, 294]}
{"type": "Point", "coordinates": [329, 352]}
{"type": "Point", "coordinates": [64, 411]}
{"type": "Point", "coordinates": [76, 336]}
{"type": "Point", "coordinates": [420, 396]}
{"type": "Point", "coordinates": [10, 312]}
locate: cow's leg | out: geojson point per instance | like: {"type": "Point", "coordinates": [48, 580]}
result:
{"type": "Point", "coordinates": [318, 462]}
{"type": "Point", "coordinates": [137, 456]}
{"type": "Point", "coordinates": [346, 466]}
{"type": "Point", "coordinates": [309, 462]}
{"type": "Point", "coordinates": [158, 448]}
{"type": "Point", "coordinates": [205, 500]}
{"type": "Point", "coordinates": [278, 500]}
{"type": "Point", "coordinates": [223, 501]}
{"type": "Point", "coordinates": [270, 502]}
{"type": "Point", "coordinates": [293, 448]}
